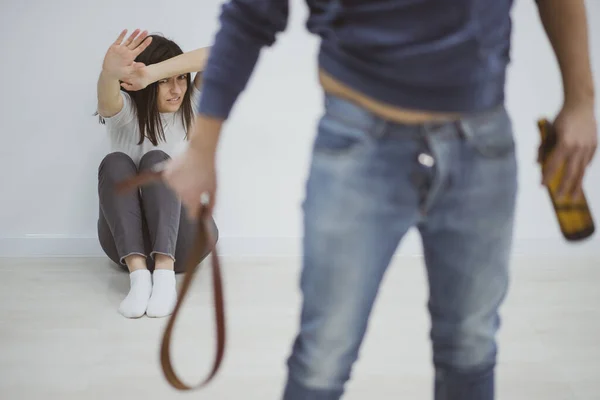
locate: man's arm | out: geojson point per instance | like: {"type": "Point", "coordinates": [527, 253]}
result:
{"type": "Point", "coordinates": [565, 23]}
{"type": "Point", "coordinates": [246, 27]}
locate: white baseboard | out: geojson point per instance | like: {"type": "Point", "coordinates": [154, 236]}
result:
{"type": "Point", "coordinates": [64, 246]}
{"type": "Point", "coordinates": [50, 246]}
{"type": "Point", "coordinates": [69, 246]}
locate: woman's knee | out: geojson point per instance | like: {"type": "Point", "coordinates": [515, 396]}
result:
{"type": "Point", "coordinates": [116, 163]}
{"type": "Point", "coordinates": [152, 158]}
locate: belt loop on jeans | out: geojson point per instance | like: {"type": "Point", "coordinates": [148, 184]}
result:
{"type": "Point", "coordinates": [463, 130]}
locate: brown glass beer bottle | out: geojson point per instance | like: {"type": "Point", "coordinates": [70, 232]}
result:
{"type": "Point", "coordinates": [574, 215]}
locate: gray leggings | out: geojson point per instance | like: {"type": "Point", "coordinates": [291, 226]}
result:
{"type": "Point", "coordinates": [145, 222]}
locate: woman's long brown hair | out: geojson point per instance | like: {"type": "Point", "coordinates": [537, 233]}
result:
{"type": "Point", "coordinates": [145, 100]}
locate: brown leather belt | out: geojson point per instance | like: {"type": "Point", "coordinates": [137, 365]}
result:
{"type": "Point", "coordinates": [201, 243]}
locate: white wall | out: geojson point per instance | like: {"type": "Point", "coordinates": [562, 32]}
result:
{"type": "Point", "coordinates": [51, 57]}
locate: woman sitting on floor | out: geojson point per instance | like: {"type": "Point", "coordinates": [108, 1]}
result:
{"type": "Point", "coordinates": [147, 101]}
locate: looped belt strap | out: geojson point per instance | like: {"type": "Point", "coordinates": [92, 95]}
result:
{"type": "Point", "coordinates": [204, 237]}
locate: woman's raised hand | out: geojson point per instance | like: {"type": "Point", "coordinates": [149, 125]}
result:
{"type": "Point", "coordinates": [138, 78]}
{"type": "Point", "coordinates": [119, 61]}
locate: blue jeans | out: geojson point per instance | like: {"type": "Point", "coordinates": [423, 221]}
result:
{"type": "Point", "coordinates": [370, 181]}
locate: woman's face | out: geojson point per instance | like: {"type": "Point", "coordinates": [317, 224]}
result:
{"type": "Point", "coordinates": [170, 93]}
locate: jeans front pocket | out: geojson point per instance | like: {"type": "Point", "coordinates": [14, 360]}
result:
{"type": "Point", "coordinates": [344, 128]}
{"type": "Point", "coordinates": [491, 134]}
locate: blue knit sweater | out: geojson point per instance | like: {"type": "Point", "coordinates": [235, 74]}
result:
{"type": "Point", "coordinates": [436, 55]}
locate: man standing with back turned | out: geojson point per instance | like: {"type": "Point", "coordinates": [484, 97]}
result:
{"type": "Point", "coordinates": [414, 133]}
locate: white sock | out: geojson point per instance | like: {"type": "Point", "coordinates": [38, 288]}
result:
{"type": "Point", "coordinates": [164, 294]}
{"type": "Point", "coordinates": [136, 302]}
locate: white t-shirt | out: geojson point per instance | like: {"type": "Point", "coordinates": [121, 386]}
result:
{"type": "Point", "coordinates": [124, 132]}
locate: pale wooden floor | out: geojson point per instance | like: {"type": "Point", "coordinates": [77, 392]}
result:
{"type": "Point", "coordinates": [62, 338]}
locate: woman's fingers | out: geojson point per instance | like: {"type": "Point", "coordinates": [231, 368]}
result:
{"type": "Point", "coordinates": [133, 41]}
{"type": "Point", "coordinates": [121, 37]}
{"type": "Point", "coordinates": [136, 41]}
{"type": "Point", "coordinates": [139, 49]}
{"type": "Point", "coordinates": [131, 37]}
